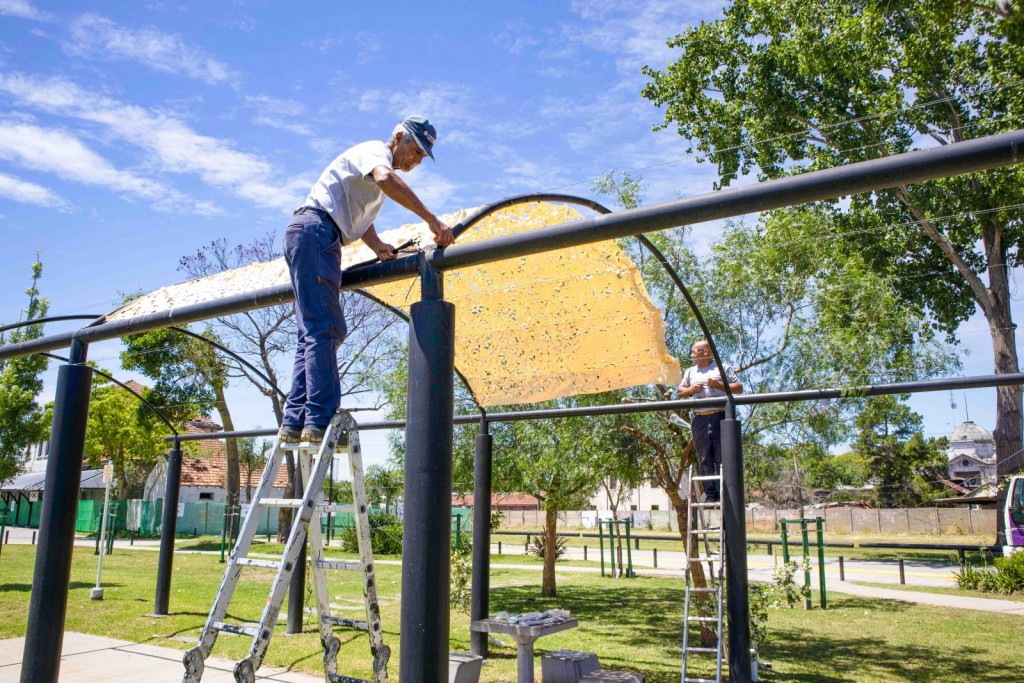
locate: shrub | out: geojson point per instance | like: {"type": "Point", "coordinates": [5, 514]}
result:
{"type": "Point", "coordinates": [462, 577]}
{"type": "Point", "coordinates": [538, 546]}
{"type": "Point", "coordinates": [385, 535]}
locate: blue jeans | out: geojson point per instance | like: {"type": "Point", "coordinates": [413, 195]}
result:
{"type": "Point", "coordinates": [313, 253]}
{"type": "Point", "coordinates": [707, 439]}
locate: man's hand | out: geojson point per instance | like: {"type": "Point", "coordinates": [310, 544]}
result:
{"type": "Point", "coordinates": [715, 384]}
{"type": "Point", "coordinates": [385, 252]}
{"type": "Point", "coordinates": [442, 233]}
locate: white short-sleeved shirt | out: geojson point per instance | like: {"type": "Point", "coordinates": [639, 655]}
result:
{"type": "Point", "coordinates": [697, 375]}
{"type": "Point", "coordinates": [346, 189]}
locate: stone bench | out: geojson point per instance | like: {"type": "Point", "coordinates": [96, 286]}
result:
{"type": "Point", "coordinates": [567, 666]}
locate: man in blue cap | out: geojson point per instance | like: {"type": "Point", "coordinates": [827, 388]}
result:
{"type": "Point", "coordinates": [339, 210]}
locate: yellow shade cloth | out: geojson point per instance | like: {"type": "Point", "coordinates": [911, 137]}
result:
{"type": "Point", "coordinates": [561, 323]}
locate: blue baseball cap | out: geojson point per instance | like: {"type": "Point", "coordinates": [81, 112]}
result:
{"type": "Point", "coordinates": [422, 132]}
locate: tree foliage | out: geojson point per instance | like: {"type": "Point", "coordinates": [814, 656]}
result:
{"type": "Point", "coordinates": [124, 431]}
{"type": "Point", "coordinates": [783, 86]}
{"type": "Point", "coordinates": [22, 420]}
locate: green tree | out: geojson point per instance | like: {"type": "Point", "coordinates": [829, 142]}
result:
{"type": "Point", "coordinates": [384, 484]}
{"type": "Point", "coordinates": [124, 431]}
{"type": "Point", "coordinates": [22, 420]}
{"type": "Point", "coordinates": [789, 85]}
{"type": "Point", "coordinates": [889, 436]}
{"type": "Point", "coordinates": [252, 458]}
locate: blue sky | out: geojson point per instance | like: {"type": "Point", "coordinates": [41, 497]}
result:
{"type": "Point", "coordinates": [132, 134]}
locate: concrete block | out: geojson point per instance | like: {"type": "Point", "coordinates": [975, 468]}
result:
{"type": "Point", "coordinates": [566, 666]}
{"type": "Point", "coordinates": [464, 668]}
{"type": "Point", "coordinates": [605, 676]}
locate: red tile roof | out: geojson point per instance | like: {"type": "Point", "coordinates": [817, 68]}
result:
{"type": "Point", "coordinates": [207, 464]}
{"type": "Point", "coordinates": [502, 501]}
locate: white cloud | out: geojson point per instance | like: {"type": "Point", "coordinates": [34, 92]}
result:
{"type": "Point", "coordinates": [176, 147]}
{"type": "Point", "coordinates": [99, 37]}
{"type": "Point", "coordinates": [22, 9]}
{"type": "Point", "coordinates": [29, 193]}
{"type": "Point", "coordinates": [65, 156]}
{"type": "Point", "coordinates": [274, 112]}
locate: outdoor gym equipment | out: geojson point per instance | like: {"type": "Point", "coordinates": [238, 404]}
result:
{"type": "Point", "coordinates": [425, 624]}
{"type": "Point", "coordinates": [807, 555]}
{"type": "Point", "coordinates": [613, 526]}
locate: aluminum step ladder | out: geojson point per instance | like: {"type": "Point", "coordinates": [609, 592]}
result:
{"type": "Point", "coordinates": [701, 530]}
{"type": "Point", "coordinates": [313, 461]}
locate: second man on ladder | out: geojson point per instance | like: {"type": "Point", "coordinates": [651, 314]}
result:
{"type": "Point", "coordinates": [704, 380]}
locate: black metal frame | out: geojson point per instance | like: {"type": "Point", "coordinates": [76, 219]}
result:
{"type": "Point", "coordinates": [430, 384]}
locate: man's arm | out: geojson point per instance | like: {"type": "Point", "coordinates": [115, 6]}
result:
{"type": "Point", "coordinates": [383, 250]}
{"type": "Point", "coordinates": [395, 188]}
{"type": "Point", "coordinates": [734, 383]}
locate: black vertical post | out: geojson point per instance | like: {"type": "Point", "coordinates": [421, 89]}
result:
{"type": "Point", "coordinates": [44, 636]}
{"type": "Point", "coordinates": [735, 533]}
{"type": "Point", "coordinates": [479, 602]}
{"type": "Point", "coordinates": [428, 483]}
{"type": "Point", "coordinates": [168, 530]}
{"type": "Point", "coordinates": [297, 585]}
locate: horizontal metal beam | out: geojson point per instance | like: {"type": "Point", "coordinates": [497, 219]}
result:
{"type": "Point", "coordinates": [902, 169]}
{"type": "Point", "coordinates": [923, 386]}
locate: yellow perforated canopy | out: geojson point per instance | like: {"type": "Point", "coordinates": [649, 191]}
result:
{"type": "Point", "coordinates": [528, 329]}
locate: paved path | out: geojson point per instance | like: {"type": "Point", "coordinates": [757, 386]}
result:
{"type": "Point", "coordinates": [89, 658]}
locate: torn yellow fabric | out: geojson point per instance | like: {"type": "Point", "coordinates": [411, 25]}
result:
{"type": "Point", "coordinates": [561, 323]}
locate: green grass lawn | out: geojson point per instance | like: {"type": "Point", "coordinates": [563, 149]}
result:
{"type": "Point", "coordinates": [630, 624]}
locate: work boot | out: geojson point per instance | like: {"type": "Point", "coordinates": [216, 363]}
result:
{"type": "Point", "coordinates": [312, 434]}
{"type": "Point", "coordinates": [288, 435]}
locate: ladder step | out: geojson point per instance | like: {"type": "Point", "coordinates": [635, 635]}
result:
{"type": "Point", "coordinates": [250, 562]}
{"type": "Point", "coordinates": [301, 446]}
{"type": "Point", "coordinates": [710, 530]}
{"type": "Point", "coordinates": [707, 477]}
{"type": "Point", "coordinates": [706, 650]}
{"type": "Point", "coordinates": [695, 589]}
{"type": "Point", "coordinates": [347, 565]}
{"type": "Point", "coordinates": [701, 680]}
{"type": "Point", "coordinates": [338, 678]}
{"type": "Point", "coordinates": [280, 502]}
{"type": "Point", "coordinates": [715, 505]}
{"type": "Point", "coordinates": [235, 629]}
{"type": "Point", "coordinates": [341, 621]}
{"type": "Point", "coordinates": [703, 619]}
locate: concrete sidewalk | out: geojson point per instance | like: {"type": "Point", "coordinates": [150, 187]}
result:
{"type": "Point", "coordinates": [89, 658]}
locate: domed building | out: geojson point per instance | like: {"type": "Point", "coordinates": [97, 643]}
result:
{"type": "Point", "coordinates": [972, 455]}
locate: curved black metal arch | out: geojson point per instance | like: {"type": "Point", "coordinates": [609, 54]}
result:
{"type": "Point", "coordinates": [124, 386]}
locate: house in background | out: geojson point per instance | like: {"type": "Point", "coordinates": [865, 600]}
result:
{"type": "Point", "coordinates": [204, 471]}
{"type": "Point", "coordinates": [971, 456]}
{"type": "Point", "coordinates": [645, 498]}
{"type": "Point", "coordinates": [501, 502]}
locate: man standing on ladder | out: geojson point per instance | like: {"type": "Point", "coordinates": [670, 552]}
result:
{"type": "Point", "coordinates": [704, 380]}
{"type": "Point", "coordinates": [339, 210]}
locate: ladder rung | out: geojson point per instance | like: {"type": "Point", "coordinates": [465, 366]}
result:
{"type": "Point", "coordinates": [703, 619]}
{"type": "Point", "coordinates": [695, 589]}
{"type": "Point", "coordinates": [341, 621]}
{"type": "Point", "coordinates": [280, 502]}
{"type": "Point", "coordinates": [250, 562]}
{"type": "Point", "coordinates": [701, 680]}
{"type": "Point", "coordinates": [235, 629]}
{"type": "Point", "coordinates": [706, 650]}
{"type": "Point", "coordinates": [338, 678]}
{"type": "Point", "coordinates": [346, 507]}
{"type": "Point", "coordinates": [301, 446]}
{"type": "Point", "coordinates": [707, 477]}
{"type": "Point", "coordinates": [709, 530]}
{"type": "Point", "coordinates": [347, 565]}
{"type": "Point", "coordinates": [716, 504]}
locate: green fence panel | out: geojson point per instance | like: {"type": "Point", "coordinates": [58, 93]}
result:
{"type": "Point", "coordinates": [88, 515]}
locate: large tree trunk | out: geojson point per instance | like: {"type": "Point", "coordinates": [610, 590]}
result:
{"type": "Point", "coordinates": [232, 484]}
{"type": "Point", "coordinates": [547, 589]}
{"type": "Point", "coordinates": [1007, 432]}
{"type": "Point", "coordinates": [705, 605]}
